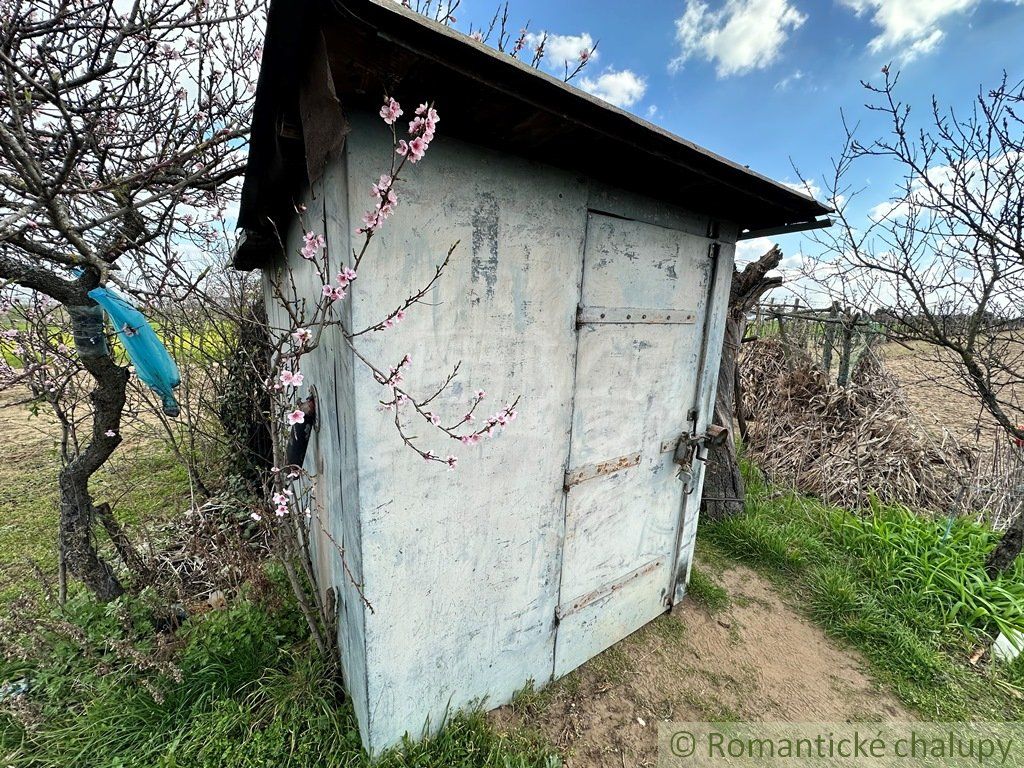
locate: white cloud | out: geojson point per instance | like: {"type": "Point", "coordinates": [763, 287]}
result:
{"type": "Point", "coordinates": [909, 28]}
{"type": "Point", "coordinates": [808, 187]}
{"type": "Point", "coordinates": [623, 88]}
{"type": "Point", "coordinates": [652, 111]}
{"type": "Point", "coordinates": [560, 50]}
{"type": "Point", "coordinates": [751, 250]}
{"type": "Point", "coordinates": [741, 36]}
{"type": "Point", "coordinates": [786, 82]}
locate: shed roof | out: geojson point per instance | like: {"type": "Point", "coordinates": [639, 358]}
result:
{"type": "Point", "coordinates": [319, 53]}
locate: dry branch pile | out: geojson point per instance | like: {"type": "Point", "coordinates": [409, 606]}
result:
{"type": "Point", "coordinates": [843, 444]}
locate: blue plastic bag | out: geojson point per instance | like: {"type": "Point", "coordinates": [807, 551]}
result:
{"type": "Point", "coordinates": [153, 364]}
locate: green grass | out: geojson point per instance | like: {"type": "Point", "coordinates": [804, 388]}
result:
{"type": "Point", "coordinates": [912, 597]}
{"type": "Point", "coordinates": [144, 482]}
{"type": "Point", "coordinates": [244, 689]}
{"type": "Point", "coordinates": [705, 590]}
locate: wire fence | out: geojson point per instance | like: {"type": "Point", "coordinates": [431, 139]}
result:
{"type": "Point", "coordinates": [833, 337]}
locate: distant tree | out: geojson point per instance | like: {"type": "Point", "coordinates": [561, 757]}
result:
{"type": "Point", "coordinates": [943, 260]}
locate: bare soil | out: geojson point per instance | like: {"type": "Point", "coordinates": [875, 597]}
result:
{"type": "Point", "coordinates": [756, 660]}
{"type": "Point", "coordinates": [939, 398]}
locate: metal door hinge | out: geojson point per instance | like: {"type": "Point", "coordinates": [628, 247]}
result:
{"type": "Point", "coordinates": [590, 471]}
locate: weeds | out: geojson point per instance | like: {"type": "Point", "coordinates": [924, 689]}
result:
{"type": "Point", "coordinates": [706, 591]}
{"type": "Point", "coordinates": [237, 687]}
{"type": "Point", "coordinates": [909, 592]}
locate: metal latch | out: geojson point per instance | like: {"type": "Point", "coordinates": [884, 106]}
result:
{"type": "Point", "coordinates": [688, 450]}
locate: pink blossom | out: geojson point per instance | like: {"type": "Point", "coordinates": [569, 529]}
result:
{"type": "Point", "coordinates": [280, 498]}
{"type": "Point", "coordinates": [585, 54]}
{"type": "Point", "coordinates": [417, 148]}
{"type": "Point", "coordinates": [391, 111]}
{"type": "Point", "coordinates": [328, 291]}
{"type": "Point", "coordinates": [407, 360]}
{"type": "Point", "coordinates": [434, 418]}
{"type": "Point", "coordinates": [312, 243]}
{"type": "Point", "coordinates": [296, 417]}
{"type": "Point", "coordinates": [346, 276]}
{"type": "Point", "coordinates": [11, 333]}
{"type": "Point", "coordinates": [477, 36]}
{"type": "Point", "coordinates": [399, 315]}
{"type": "Point", "coordinates": [383, 185]}
{"type": "Point", "coordinates": [338, 294]}
{"type": "Point", "coordinates": [452, 461]}
{"type": "Point", "coordinates": [281, 510]}
{"type": "Point", "coordinates": [255, 516]}
{"type": "Point", "coordinates": [479, 394]}
{"type": "Point", "coordinates": [302, 335]}
{"type": "Point", "coordinates": [470, 439]}
{"type": "Point", "coordinates": [290, 379]}
{"type": "Point", "coordinates": [275, 470]}
{"type": "Point", "coordinates": [110, 433]}
{"type": "Point", "coordinates": [402, 148]}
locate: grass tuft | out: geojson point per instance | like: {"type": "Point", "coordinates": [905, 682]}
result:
{"type": "Point", "coordinates": [910, 592]}
{"type": "Point", "coordinates": [703, 589]}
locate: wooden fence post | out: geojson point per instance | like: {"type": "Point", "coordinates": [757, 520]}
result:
{"type": "Point", "coordinates": [847, 350]}
{"type": "Point", "coordinates": [830, 337]}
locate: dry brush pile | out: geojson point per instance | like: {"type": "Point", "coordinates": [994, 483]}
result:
{"type": "Point", "coordinates": [844, 444]}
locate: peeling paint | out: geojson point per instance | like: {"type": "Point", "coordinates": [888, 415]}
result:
{"type": "Point", "coordinates": [485, 242]}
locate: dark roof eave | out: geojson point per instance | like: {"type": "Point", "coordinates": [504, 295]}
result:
{"type": "Point", "coordinates": [761, 203]}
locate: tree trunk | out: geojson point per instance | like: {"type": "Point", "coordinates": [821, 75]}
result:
{"type": "Point", "coordinates": [77, 511]}
{"type": "Point", "coordinates": [723, 483]}
{"type": "Point", "coordinates": [1009, 547]}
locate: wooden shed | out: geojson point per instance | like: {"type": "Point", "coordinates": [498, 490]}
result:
{"type": "Point", "coordinates": [592, 281]}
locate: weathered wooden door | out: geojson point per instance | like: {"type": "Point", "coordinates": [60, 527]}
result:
{"type": "Point", "coordinates": [641, 325]}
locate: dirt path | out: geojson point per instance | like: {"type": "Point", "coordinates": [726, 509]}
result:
{"type": "Point", "coordinates": [755, 660]}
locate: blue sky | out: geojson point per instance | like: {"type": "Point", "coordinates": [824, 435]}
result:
{"type": "Point", "coordinates": [763, 81]}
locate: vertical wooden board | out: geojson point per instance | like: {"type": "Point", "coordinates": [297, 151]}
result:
{"type": "Point", "coordinates": [616, 525]}
{"type": "Point", "coordinates": [608, 619]}
{"type": "Point", "coordinates": [635, 384]}
{"type": "Point", "coordinates": [716, 320]}
{"type": "Point", "coordinates": [635, 264]}
{"type": "Point", "coordinates": [462, 567]}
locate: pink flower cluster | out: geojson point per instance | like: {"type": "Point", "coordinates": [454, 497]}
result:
{"type": "Point", "coordinates": [312, 243]}
{"type": "Point", "coordinates": [383, 194]}
{"type": "Point", "coordinates": [500, 419]}
{"type": "Point", "coordinates": [391, 111]}
{"type": "Point", "coordinates": [290, 379]}
{"type": "Point", "coordinates": [393, 319]}
{"type": "Point", "coordinates": [281, 501]}
{"type": "Point", "coordinates": [344, 279]}
{"type": "Point", "coordinates": [421, 128]}
{"type": "Point", "coordinates": [302, 336]}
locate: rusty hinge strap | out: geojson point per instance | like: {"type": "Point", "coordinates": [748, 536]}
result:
{"type": "Point", "coordinates": [590, 471]}
{"type": "Point", "coordinates": [583, 601]}
{"type": "Point", "coordinates": [635, 315]}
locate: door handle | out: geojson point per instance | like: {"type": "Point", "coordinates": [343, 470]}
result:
{"type": "Point", "coordinates": [687, 449]}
